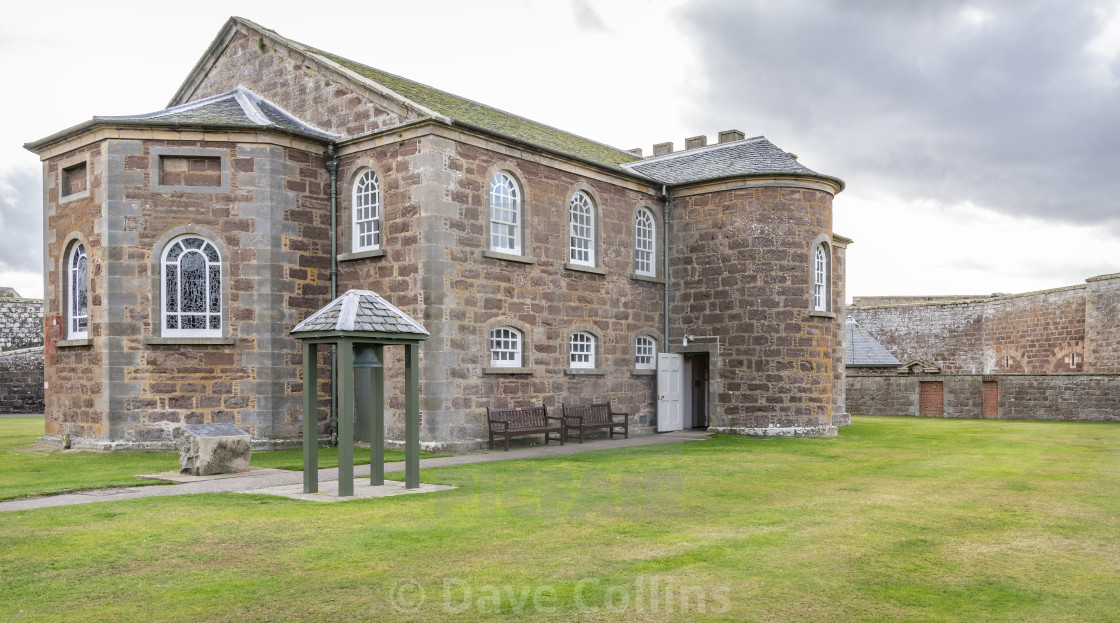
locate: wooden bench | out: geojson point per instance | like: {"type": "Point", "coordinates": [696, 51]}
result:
{"type": "Point", "coordinates": [523, 421]}
{"type": "Point", "coordinates": [587, 417]}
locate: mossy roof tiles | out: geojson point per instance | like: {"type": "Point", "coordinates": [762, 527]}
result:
{"type": "Point", "coordinates": [486, 117]}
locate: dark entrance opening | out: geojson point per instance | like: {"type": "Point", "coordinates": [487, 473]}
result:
{"type": "Point", "coordinates": [696, 370]}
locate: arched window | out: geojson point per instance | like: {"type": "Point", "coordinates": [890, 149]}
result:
{"type": "Point", "coordinates": [367, 212]}
{"type": "Point", "coordinates": [821, 299]}
{"type": "Point", "coordinates": [644, 348]}
{"type": "Point", "coordinates": [644, 235]}
{"type": "Point", "coordinates": [581, 230]}
{"type": "Point", "coordinates": [505, 215]}
{"type": "Point", "coordinates": [581, 351]}
{"type": "Point", "coordinates": [505, 348]}
{"type": "Point", "coordinates": [77, 304]}
{"type": "Point", "coordinates": [192, 288]}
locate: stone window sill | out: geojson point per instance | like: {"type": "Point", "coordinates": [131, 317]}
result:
{"type": "Point", "coordinates": [78, 195]}
{"type": "Point", "coordinates": [821, 314]}
{"type": "Point", "coordinates": [509, 371]}
{"type": "Point", "coordinates": [361, 255]}
{"type": "Point", "coordinates": [85, 341]}
{"type": "Point", "coordinates": [585, 372]}
{"type": "Point", "coordinates": [637, 277]}
{"type": "Point", "coordinates": [595, 270]}
{"type": "Point", "coordinates": [189, 341]}
{"type": "Point", "coordinates": [524, 259]}
{"type": "Point", "coordinates": [643, 371]}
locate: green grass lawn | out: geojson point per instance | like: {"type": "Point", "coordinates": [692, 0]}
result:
{"type": "Point", "coordinates": [898, 519]}
{"type": "Point", "coordinates": [27, 469]}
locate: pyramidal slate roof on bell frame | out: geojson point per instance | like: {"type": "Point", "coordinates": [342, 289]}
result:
{"type": "Point", "coordinates": [361, 311]}
{"type": "Point", "coordinates": [861, 349]}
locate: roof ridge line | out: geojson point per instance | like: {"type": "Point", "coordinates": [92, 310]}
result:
{"type": "Point", "coordinates": [252, 110]}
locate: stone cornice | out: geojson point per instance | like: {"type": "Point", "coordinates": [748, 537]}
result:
{"type": "Point", "coordinates": [97, 131]}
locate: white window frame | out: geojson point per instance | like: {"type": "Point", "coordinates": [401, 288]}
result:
{"type": "Point", "coordinates": [505, 214]}
{"type": "Point", "coordinates": [581, 230]}
{"type": "Point", "coordinates": [505, 347]}
{"type": "Point", "coordinates": [645, 347]}
{"type": "Point", "coordinates": [366, 209]}
{"type": "Point", "coordinates": [77, 293]}
{"type": "Point", "coordinates": [581, 350]}
{"type": "Point", "coordinates": [821, 265]}
{"type": "Point", "coordinates": [645, 243]}
{"type": "Point", "coordinates": [177, 313]}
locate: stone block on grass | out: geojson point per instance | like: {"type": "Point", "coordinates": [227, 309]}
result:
{"type": "Point", "coordinates": [207, 449]}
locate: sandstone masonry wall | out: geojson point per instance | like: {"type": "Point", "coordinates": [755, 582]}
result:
{"type": "Point", "coordinates": [1102, 324]}
{"type": "Point", "coordinates": [21, 381]}
{"type": "Point", "coordinates": [740, 272]}
{"type": "Point", "coordinates": [1070, 397]}
{"type": "Point", "coordinates": [74, 399]}
{"type": "Point", "coordinates": [1033, 333]}
{"type": "Point", "coordinates": [300, 86]}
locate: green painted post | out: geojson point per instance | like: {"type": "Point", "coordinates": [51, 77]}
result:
{"type": "Point", "coordinates": [377, 421]}
{"type": "Point", "coordinates": [345, 418]}
{"type": "Point", "coordinates": [411, 416]}
{"type": "Point", "coordinates": [310, 418]}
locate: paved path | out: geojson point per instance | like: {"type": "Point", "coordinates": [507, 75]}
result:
{"type": "Point", "coordinates": [275, 478]}
{"type": "Point", "coordinates": [21, 415]}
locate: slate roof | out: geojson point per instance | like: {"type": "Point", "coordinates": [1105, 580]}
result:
{"type": "Point", "coordinates": [860, 349]}
{"type": "Point", "coordinates": [361, 311]}
{"type": "Point", "coordinates": [9, 293]}
{"type": "Point", "coordinates": [237, 108]}
{"type": "Point", "coordinates": [752, 156]}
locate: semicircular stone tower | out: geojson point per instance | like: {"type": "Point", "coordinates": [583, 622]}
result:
{"type": "Point", "coordinates": [755, 288]}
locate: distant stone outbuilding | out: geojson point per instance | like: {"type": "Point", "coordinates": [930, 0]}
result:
{"type": "Point", "coordinates": [21, 353]}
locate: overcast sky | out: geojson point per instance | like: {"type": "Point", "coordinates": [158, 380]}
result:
{"type": "Point", "coordinates": [980, 141]}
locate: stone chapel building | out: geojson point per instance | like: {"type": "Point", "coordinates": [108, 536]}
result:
{"type": "Point", "coordinates": [182, 246]}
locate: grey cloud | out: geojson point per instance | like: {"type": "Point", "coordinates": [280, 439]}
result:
{"type": "Point", "coordinates": [1010, 112]}
{"type": "Point", "coordinates": [587, 18]}
{"type": "Point", "coordinates": [21, 220]}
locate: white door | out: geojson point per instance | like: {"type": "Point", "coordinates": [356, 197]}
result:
{"type": "Point", "coordinates": [669, 392]}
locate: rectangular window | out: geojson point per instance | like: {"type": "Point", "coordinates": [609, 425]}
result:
{"type": "Point", "coordinates": [190, 171]}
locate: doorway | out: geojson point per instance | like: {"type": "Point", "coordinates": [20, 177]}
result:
{"type": "Point", "coordinates": [695, 385]}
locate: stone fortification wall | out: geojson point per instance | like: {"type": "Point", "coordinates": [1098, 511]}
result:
{"type": "Point", "coordinates": [21, 381]}
{"type": "Point", "coordinates": [1102, 324]}
{"type": "Point", "coordinates": [1071, 397]}
{"type": "Point", "coordinates": [21, 323]}
{"type": "Point", "coordinates": [1032, 333]}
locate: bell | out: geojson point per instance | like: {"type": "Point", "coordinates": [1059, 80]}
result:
{"type": "Point", "coordinates": [365, 356]}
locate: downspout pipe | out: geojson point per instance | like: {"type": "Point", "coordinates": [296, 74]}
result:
{"type": "Point", "coordinates": [332, 169]}
{"type": "Point", "coordinates": [666, 213]}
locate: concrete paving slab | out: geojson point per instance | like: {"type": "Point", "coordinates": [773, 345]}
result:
{"type": "Point", "coordinates": [179, 479]}
{"type": "Point", "coordinates": [328, 491]}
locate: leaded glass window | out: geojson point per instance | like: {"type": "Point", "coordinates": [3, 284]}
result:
{"type": "Point", "coordinates": [77, 325]}
{"type": "Point", "coordinates": [505, 215]}
{"type": "Point", "coordinates": [820, 278]}
{"type": "Point", "coordinates": [581, 351]}
{"type": "Point", "coordinates": [581, 234]}
{"type": "Point", "coordinates": [505, 348]}
{"type": "Point", "coordinates": [192, 288]}
{"type": "Point", "coordinates": [644, 347]}
{"type": "Point", "coordinates": [644, 231]}
{"type": "Point", "coordinates": [367, 212]}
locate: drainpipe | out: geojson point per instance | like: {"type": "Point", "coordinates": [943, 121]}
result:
{"type": "Point", "coordinates": [666, 212]}
{"type": "Point", "coordinates": [332, 168]}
